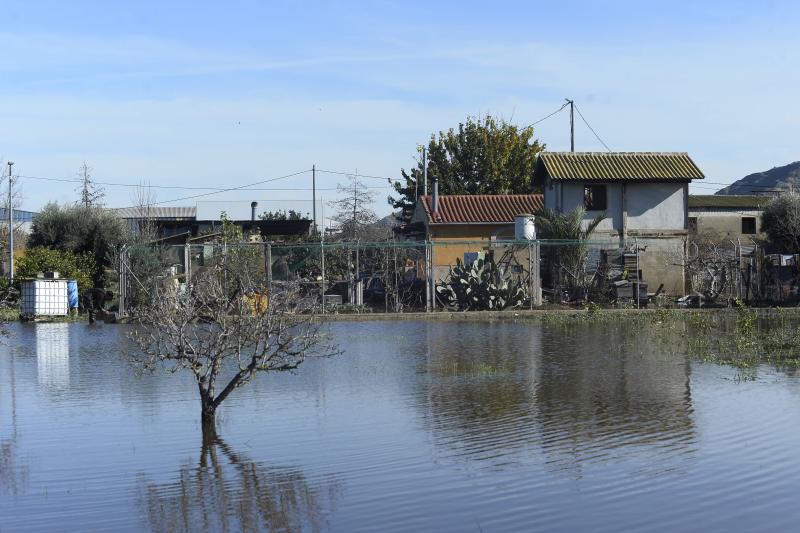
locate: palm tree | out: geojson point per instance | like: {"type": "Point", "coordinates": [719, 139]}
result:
{"type": "Point", "coordinates": [568, 249]}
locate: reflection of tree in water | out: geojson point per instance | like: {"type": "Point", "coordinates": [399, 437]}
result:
{"type": "Point", "coordinates": [226, 491]}
{"type": "Point", "coordinates": [601, 387]}
{"type": "Point", "coordinates": [13, 476]}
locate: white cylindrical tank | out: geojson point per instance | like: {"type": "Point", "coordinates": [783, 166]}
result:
{"type": "Point", "coordinates": [524, 227]}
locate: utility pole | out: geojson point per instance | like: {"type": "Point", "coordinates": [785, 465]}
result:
{"type": "Point", "coordinates": [10, 224]}
{"type": "Point", "coordinates": [571, 125]}
{"type": "Point", "coordinates": [355, 202]}
{"type": "Point", "coordinates": [424, 171]}
{"type": "Point", "coordinates": [314, 196]}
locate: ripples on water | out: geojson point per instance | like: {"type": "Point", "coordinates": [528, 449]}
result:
{"type": "Point", "coordinates": [417, 426]}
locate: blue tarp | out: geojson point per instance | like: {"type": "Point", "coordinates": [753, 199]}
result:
{"type": "Point", "coordinates": [72, 293]}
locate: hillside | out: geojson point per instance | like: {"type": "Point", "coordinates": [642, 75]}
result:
{"type": "Point", "coordinates": [782, 178]}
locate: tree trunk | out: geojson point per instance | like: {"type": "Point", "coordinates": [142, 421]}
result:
{"type": "Point", "coordinates": [208, 413]}
{"type": "Point", "coordinates": [207, 421]}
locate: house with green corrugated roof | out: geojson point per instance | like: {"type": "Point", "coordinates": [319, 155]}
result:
{"type": "Point", "coordinates": [645, 196]}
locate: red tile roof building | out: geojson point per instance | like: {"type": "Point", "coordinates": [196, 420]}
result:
{"type": "Point", "coordinates": [480, 208]}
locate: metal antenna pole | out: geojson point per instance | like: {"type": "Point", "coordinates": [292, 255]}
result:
{"type": "Point", "coordinates": [424, 171]}
{"type": "Point", "coordinates": [10, 224]}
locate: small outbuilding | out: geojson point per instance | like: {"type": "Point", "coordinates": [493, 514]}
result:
{"type": "Point", "coordinates": [717, 216]}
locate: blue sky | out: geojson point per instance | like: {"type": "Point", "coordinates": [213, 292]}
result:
{"type": "Point", "coordinates": [223, 94]}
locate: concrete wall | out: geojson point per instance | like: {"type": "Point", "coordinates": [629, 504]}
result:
{"type": "Point", "coordinates": [725, 222]}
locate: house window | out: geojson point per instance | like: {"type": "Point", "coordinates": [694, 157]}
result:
{"type": "Point", "coordinates": [748, 225]}
{"type": "Point", "coordinates": [692, 225]}
{"type": "Point", "coordinates": [594, 197]}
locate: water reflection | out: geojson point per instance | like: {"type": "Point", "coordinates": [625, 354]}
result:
{"type": "Point", "coordinates": [13, 472]}
{"type": "Point", "coordinates": [490, 392]}
{"type": "Point", "coordinates": [477, 392]}
{"type": "Point", "coordinates": [226, 491]}
{"type": "Point", "coordinates": [52, 355]}
{"type": "Point", "coordinates": [607, 387]}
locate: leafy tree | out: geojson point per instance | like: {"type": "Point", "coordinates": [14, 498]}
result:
{"type": "Point", "coordinates": [483, 156]}
{"type": "Point", "coordinates": [79, 267]}
{"type": "Point", "coordinates": [80, 230]}
{"type": "Point", "coordinates": [781, 222]}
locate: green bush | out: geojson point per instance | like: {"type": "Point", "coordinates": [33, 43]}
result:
{"type": "Point", "coordinates": [79, 267]}
{"type": "Point", "coordinates": [80, 230]}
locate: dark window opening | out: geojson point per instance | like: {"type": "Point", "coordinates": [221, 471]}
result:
{"type": "Point", "coordinates": [594, 197]}
{"type": "Point", "coordinates": [692, 225]}
{"type": "Point", "coordinates": [748, 225]}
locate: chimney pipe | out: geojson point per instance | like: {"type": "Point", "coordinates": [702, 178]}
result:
{"type": "Point", "coordinates": [435, 201]}
{"type": "Point", "coordinates": [253, 206]}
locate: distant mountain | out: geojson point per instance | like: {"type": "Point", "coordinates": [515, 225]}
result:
{"type": "Point", "coordinates": [779, 178]}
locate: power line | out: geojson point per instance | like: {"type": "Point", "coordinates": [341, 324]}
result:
{"type": "Point", "coordinates": [239, 188]}
{"type": "Point", "coordinates": [188, 188]}
{"type": "Point", "coordinates": [355, 175]}
{"type": "Point", "coordinates": [590, 128]}
{"type": "Point", "coordinates": [548, 116]}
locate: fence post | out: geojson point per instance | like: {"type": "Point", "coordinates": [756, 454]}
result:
{"type": "Point", "coordinates": [123, 293]}
{"type": "Point", "coordinates": [322, 260]}
{"type": "Point", "coordinates": [427, 277]}
{"type": "Point", "coordinates": [268, 268]}
{"type": "Point", "coordinates": [534, 269]}
{"type": "Point", "coordinates": [187, 265]}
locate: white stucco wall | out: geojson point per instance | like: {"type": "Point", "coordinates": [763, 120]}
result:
{"type": "Point", "coordinates": [656, 206]}
{"type": "Point", "coordinates": [650, 206]}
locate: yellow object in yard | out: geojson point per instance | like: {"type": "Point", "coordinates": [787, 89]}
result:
{"type": "Point", "coordinates": [258, 302]}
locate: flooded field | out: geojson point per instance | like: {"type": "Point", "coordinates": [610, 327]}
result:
{"type": "Point", "coordinates": [415, 426]}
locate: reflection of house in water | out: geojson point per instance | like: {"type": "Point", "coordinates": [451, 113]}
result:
{"type": "Point", "coordinates": [492, 389]}
{"type": "Point", "coordinates": [52, 355]}
{"type": "Point", "coordinates": [475, 398]}
{"type": "Point", "coordinates": [611, 387]}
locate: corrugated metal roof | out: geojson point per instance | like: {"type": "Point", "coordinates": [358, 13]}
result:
{"type": "Point", "coordinates": [616, 166]}
{"type": "Point", "coordinates": [481, 208]}
{"type": "Point", "coordinates": [163, 212]}
{"type": "Point", "coordinates": [732, 201]}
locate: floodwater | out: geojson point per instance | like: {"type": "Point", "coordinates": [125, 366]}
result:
{"type": "Point", "coordinates": [417, 426]}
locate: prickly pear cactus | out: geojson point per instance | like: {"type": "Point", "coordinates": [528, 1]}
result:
{"type": "Point", "coordinates": [482, 286]}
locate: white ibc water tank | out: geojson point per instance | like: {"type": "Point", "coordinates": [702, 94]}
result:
{"type": "Point", "coordinates": [524, 227]}
{"type": "Point", "coordinates": [44, 297]}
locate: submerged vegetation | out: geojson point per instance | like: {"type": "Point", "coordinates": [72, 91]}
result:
{"type": "Point", "coordinates": [740, 337]}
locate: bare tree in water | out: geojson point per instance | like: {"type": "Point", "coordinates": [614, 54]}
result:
{"type": "Point", "coordinates": [223, 331]}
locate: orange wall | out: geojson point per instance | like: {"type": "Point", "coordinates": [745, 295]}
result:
{"type": "Point", "coordinates": [445, 254]}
